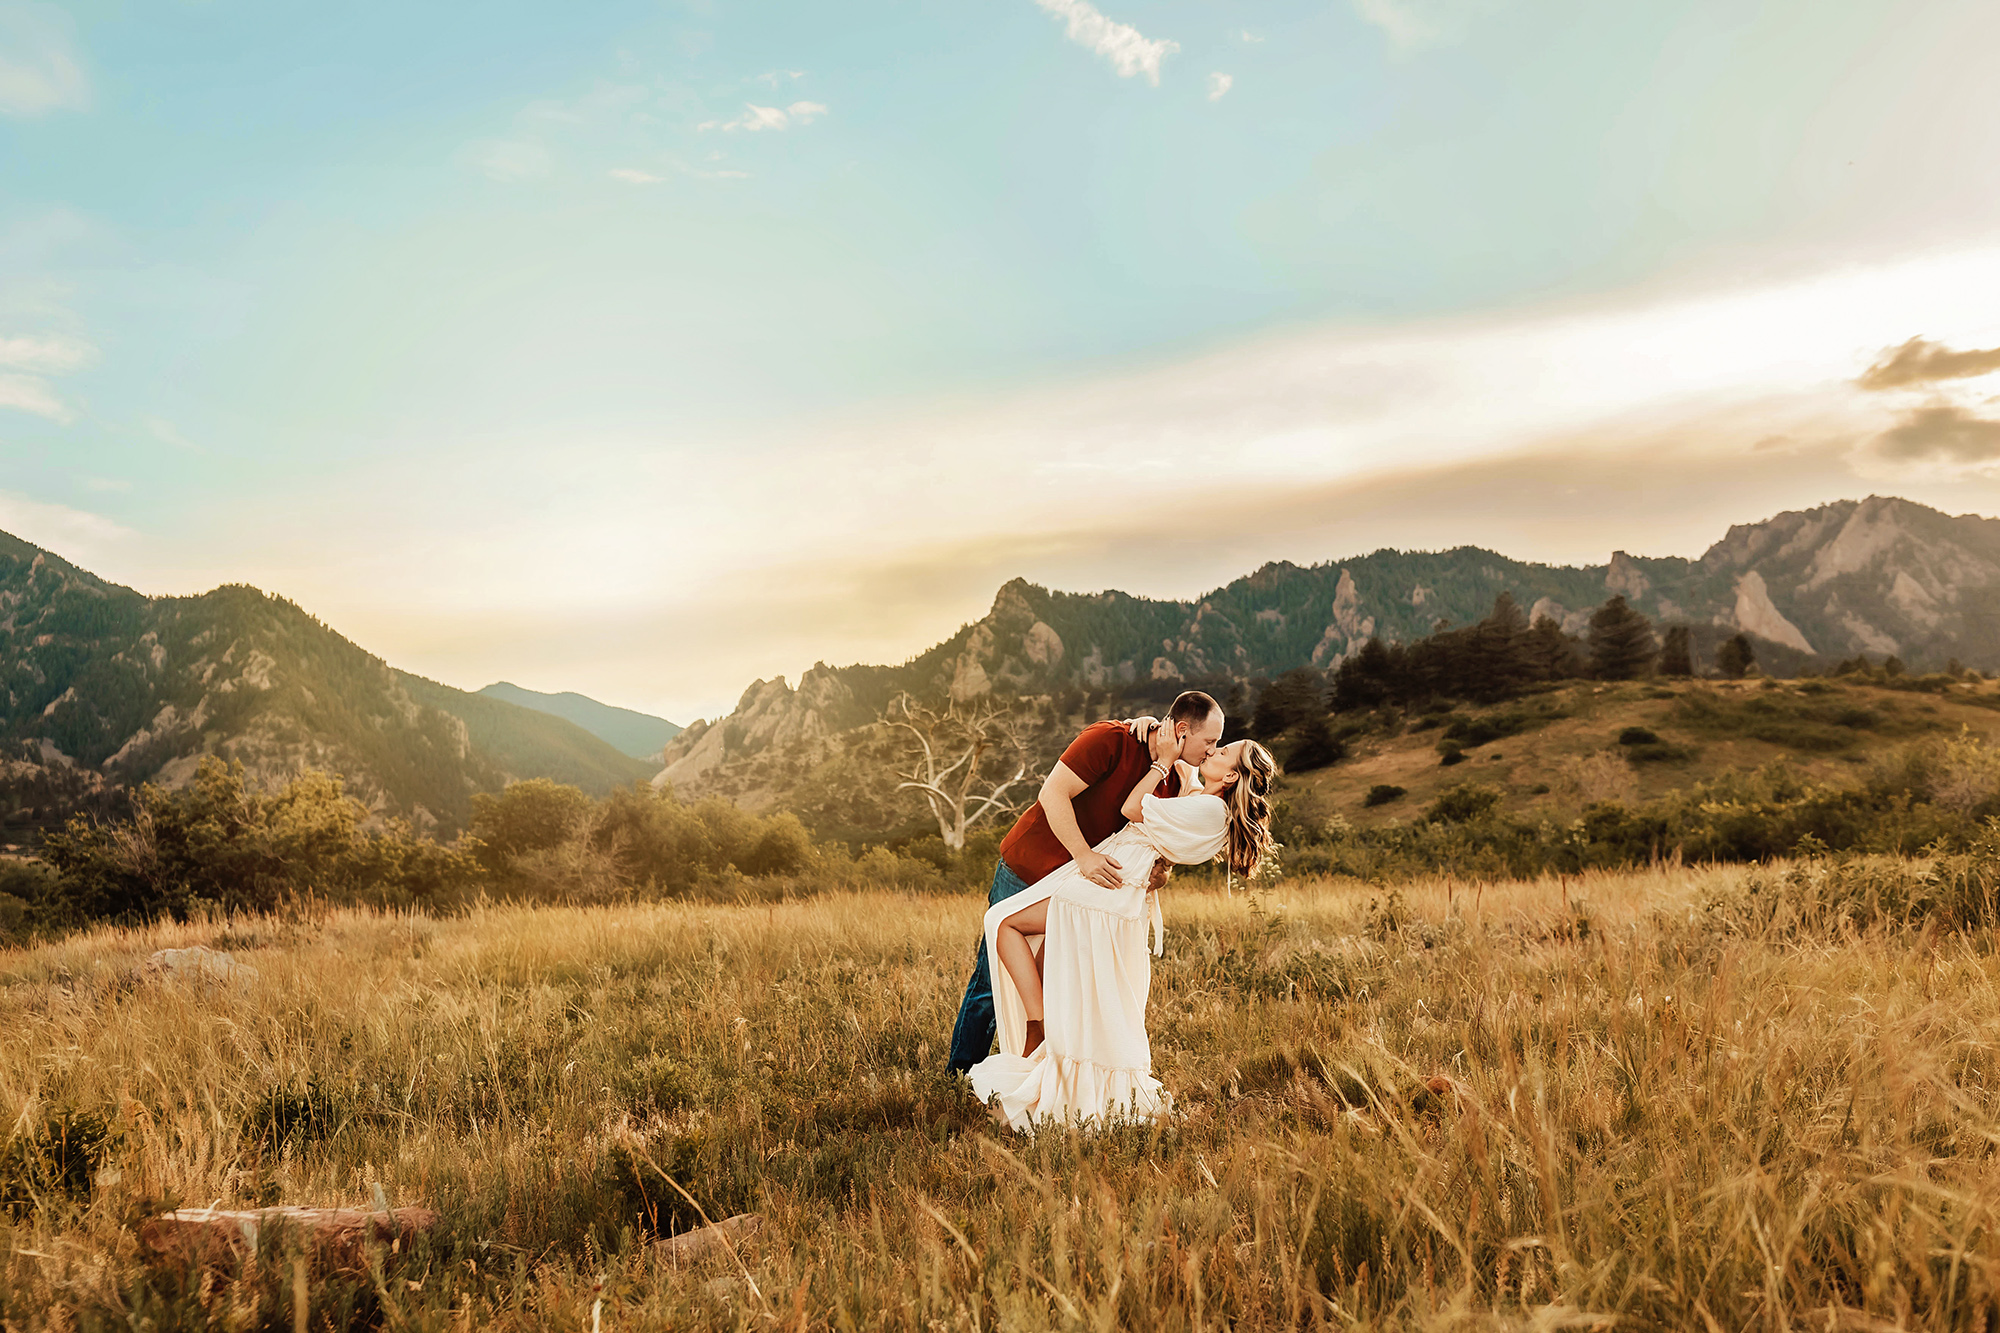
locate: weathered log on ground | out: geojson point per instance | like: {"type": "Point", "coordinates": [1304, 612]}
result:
{"type": "Point", "coordinates": [715, 1238]}
{"type": "Point", "coordinates": [336, 1239]}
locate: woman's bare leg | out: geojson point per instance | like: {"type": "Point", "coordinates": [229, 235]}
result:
{"type": "Point", "coordinates": [1019, 960]}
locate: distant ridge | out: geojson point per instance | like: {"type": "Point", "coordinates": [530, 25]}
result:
{"type": "Point", "coordinates": [640, 735]}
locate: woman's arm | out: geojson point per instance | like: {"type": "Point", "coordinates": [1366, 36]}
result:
{"type": "Point", "coordinates": [1162, 738]}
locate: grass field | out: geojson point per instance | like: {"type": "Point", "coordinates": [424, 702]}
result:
{"type": "Point", "coordinates": [1649, 1121]}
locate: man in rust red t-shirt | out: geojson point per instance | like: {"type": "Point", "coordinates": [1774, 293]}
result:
{"type": "Point", "coordinates": [1077, 809]}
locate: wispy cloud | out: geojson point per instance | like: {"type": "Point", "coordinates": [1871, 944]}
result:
{"type": "Point", "coordinates": [73, 533]}
{"type": "Point", "coordinates": [772, 78]}
{"type": "Point", "coordinates": [32, 358]}
{"type": "Point", "coordinates": [510, 160]}
{"type": "Point", "coordinates": [33, 394]}
{"type": "Point", "coordinates": [167, 433]}
{"type": "Point", "coordinates": [755, 118]}
{"type": "Point", "coordinates": [45, 353]}
{"type": "Point", "coordinates": [1247, 37]}
{"type": "Point", "coordinates": [39, 70]}
{"type": "Point", "coordinates": [1417, 23]}
{"type": "Point", "coordinates": [1219, 85]}
{"type": "Point", "coordinates": [1129, 51]}
{"type": "Point", "coordinates": [1920, 362]}
{"type": "Point", "coordinates": [634, 176]}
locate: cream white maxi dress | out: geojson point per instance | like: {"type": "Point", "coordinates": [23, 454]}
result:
{"type": "Point", "coordinates": [1095, 1063]}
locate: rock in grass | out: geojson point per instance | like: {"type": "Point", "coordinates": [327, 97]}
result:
{"type": "Point", "coordinates": [339, 1239]}
{"type": "Point", "coordinates": [715, 1238]}
{"type": "Point", "coordinates": [199, 964]}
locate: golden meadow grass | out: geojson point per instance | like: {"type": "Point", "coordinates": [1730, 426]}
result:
{"type": "Point", "coordinates": [1649, 1123]}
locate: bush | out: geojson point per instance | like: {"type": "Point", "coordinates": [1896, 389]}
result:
{"type": "Point", "coordinates": [1462, 804]}
{"type": "Point", "coordinates": [53, 1160]}
{"type": "Point", "coordinates": [217, 845]}
{"type": "Point", "coordinates": [1449, 753]}
{"type": "Point", "coordinates": [1382, 793]}
{"type": "Point", "coordinates": [1638, 736]}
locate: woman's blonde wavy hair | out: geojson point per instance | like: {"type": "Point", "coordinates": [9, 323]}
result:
{"type": "Point", "coordinates": [1248, 838]}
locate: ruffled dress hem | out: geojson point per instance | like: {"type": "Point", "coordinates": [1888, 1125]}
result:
{"type": "Point", "coordinates": [1045, 1088]}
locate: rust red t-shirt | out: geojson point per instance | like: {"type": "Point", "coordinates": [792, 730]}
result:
{"type": "Point", "coordinates": [1108, 758]}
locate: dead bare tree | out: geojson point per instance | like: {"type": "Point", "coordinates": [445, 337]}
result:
{"type": "Point", "coordinates": [955, 752]}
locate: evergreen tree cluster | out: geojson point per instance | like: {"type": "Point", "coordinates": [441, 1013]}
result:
{"type": "Point", "coordinates": [1503, 655]}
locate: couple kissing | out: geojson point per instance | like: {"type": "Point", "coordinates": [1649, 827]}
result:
{"type": "Point", "coordinates": [1080, 873]}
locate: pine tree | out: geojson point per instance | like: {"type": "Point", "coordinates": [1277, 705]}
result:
{"type": "Point", "coordinates": [1675, 657]}
{"type": "Point", "coordinates": [1551, 652]}
{"type": "Point", "coordinates": [1621, 641]}
{"type": "Point", "coordinates": [1734, 657]}
{"type": "Point", "coordinates": [1499, 664]}
{"type": "Point", "coordinates": [1365, 680]}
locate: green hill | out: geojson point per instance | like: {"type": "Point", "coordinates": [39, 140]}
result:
{"type": "Point", "coordinates": [1554, 753]}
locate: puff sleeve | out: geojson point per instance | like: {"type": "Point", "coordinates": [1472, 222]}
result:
{"type": "Point", "coordinates": [1186, 830]}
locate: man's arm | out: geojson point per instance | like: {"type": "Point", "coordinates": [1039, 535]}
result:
{"type": "Point", "coordinates": [1059, 790]}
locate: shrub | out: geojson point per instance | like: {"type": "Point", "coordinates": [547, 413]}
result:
{"type": "Point", "coordinates": [1638, 736]}
{"type": "Point", "coordinates": [219, 845]}
{"type": "Point", "coordinates": [1449, 753]}
{"type": "Point", "coordinates": [55, 1159]}
{"type": "Point", "coordinates": [1382, 793]}
{"type": "Point", "coordinates": [1462, 804]}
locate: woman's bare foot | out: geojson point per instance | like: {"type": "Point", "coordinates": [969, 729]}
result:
{"type": "Point", "coordinates": [1034, 1038]}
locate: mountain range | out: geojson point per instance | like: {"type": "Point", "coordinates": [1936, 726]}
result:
{"type": "Point", "coordinates": [102, 688]}
{"type": "Point", "coordinates": [1881, 576]}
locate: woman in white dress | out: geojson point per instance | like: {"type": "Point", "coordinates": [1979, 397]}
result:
{"type": "Point", "coordinates": [1073, 1043]}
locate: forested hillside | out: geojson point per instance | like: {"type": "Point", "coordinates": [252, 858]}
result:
{"type": "Point", "coordinates": [106, 688]}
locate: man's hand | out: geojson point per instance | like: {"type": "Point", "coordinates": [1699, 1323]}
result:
{"type": "Point", "coordinates": [1101, 870]}
{"type": "Point", "coordinates": [1161, 869]}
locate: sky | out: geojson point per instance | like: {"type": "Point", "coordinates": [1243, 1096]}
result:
{"type": "Point", "coordinates": [647, 347]}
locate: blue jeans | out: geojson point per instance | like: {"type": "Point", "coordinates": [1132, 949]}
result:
{"type": "Point", "coordinates": [972, 1037]}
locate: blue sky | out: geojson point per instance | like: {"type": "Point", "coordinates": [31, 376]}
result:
{"type": "Point", "coordinates": [724, 337]}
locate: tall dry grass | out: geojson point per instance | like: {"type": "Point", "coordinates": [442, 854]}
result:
{"type": "Point", "coordinates": [1651, 1120]}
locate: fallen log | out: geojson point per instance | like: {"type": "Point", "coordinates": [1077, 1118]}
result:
{"type": "Point", "coordinates": [713, 1238]}
{"type": "Point", "coordinates": [337, 1239]}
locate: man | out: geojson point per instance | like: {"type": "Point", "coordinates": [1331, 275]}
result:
{"type": "Point", "coordinates": [1077, 809]}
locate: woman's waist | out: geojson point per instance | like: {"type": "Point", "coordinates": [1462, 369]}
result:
{"type": "Point", "coordinates": [1129, 902]}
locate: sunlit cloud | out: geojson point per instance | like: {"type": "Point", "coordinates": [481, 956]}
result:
{"type": "Point", "coordinates": [633, 176]}
{"type": "Point", "coordinates": [1920, 362]}
{"type": "Point", "coordinates": [39, 69]}
{"type": "Point", "coordinates": [1219, 86]}
{"type": "Point", "coordinates": [1942, 432]}
{"type": "Point", "coordinates": [1130, 52]}
{"type": "Point", "coordinates": [1646, 422]}
{"type": "Point", "coordinates": [772, 78]}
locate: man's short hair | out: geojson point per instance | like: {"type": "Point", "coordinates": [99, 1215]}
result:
{"type": "Point", "coordinates": [1192, 707]}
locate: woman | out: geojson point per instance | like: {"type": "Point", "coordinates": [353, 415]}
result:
{"type": "Point", "coordinates": [1073, 1029]}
